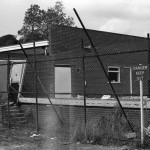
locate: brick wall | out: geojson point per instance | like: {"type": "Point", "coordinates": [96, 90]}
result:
{"type": "Point", "coordinates": [72, 115]}
{"type": "Point", "coordinates": [1, 113]}
{"type": "Point", "coordinates": [67, 50]}
{"type": "Point", "coordinates": [45, 72]}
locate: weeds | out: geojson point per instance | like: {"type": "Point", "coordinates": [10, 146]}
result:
{"type": "Point", "coordinates": [109, 129]}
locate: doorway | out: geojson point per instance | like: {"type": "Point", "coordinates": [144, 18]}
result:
{"type": "Point", "coordinates": [16, 78]}
{"type": "Point", "coordinates": [62, 82]}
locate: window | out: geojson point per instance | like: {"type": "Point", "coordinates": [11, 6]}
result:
{"type": "Point", "coordinates": [114, 74]}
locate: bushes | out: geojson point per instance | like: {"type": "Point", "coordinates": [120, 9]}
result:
{"type": "Point", "coordinates": [105, 130]}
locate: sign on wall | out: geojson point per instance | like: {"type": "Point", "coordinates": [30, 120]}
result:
{"type": "Point", "coordinates": [139, 71]}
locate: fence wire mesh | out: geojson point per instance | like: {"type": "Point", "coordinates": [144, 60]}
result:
{"type": "Point", "coordinates": [68, 91]}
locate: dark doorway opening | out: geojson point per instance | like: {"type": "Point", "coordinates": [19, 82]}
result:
{"type": "Point", "coordinates": [14, 89]}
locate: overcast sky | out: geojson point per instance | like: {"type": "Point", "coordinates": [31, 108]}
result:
{"type": "Point", "coordinates": [119, 16]}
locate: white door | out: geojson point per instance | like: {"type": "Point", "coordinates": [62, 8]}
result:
{"type": "Point", "coordinates": [62, 82]}
{"type": "Point", "coordinates": [17, 72]}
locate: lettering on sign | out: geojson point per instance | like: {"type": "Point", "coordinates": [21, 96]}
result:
{"type": "Point", "coordinates": [139, 78]}
{"type": "Point", "coordinates": [140, 67]}
{"type": "Point", "coordinates": [139, 73]}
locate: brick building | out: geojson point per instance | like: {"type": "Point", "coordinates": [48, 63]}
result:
{"type": "Point", "coordinates": [119, 54]}
{"type": "Point", "coordinates": [60, 64]}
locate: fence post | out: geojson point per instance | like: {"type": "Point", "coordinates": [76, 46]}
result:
{"type": "Point", "coordinates": [8, 88]}
{"type": "Point", "coordinates": [142, 112]}
{"type": "Point", "coordinates": [84, 81]}
{"type": "Point", "coordinates": [36, 94]}
{"type": "Point", "coordinates": [148, 39]}
{"type": "Point", "coordinates": [104, 70]}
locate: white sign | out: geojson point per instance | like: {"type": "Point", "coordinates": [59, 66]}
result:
{"type": "Point", "coordinates": [139, 71]}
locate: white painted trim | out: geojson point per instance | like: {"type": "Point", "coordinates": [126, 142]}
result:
{"type": "Point", "coordinates": [131, 86]}
{"type": "Point", "coordinates": [25, 46]}
{"type": "Point", "coordinates": [125, 102]}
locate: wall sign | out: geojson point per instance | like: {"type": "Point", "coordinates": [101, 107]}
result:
{"type": "Point", "coordinates": [139, 71]}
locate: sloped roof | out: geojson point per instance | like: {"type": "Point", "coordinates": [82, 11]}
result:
{"type": "Point", "coordinates": [25, 46]}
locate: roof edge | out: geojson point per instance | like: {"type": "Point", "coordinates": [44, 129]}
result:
{"type": "Point", "coordinates": [25, 46]}
{"type": "Point", "coordinates": [94, 30]}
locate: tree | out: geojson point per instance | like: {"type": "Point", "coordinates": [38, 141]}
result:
{"type": "Point", "coordinates": [7, 40]}
{"type": "Point", "coordinates": [38, 20]}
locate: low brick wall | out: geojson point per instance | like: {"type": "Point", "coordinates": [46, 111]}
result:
{"type": "Point", "coordinates": [1, 114]}
{"type": "Point", "coordinates": [71, 115]}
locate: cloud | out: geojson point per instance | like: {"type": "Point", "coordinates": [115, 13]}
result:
{"type": "Point", "coordinates": [125, 9]}
{"type": "Point", "coordinates": [117, 26]}
{"type": "Point", "coordinates": [124, 16]}
{"type": "Point", "coordinates": [121, 16]}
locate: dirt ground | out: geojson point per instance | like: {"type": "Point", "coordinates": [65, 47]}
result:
{"type": "Point", "coordinates": [28, 139]}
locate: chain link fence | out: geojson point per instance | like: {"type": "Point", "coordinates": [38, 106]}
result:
{"type": "Point", "coordinates": [81, 94]}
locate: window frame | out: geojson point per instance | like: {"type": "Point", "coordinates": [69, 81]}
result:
{"type": "Point", "coordinates": [115, 71]}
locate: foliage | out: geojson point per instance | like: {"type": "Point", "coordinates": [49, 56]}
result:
{"type": "Point", "coordinates": [39, 20]}
{"type": "Point", "coordinates": [109, 129]}
{"type": "Point", "coordinates": [7, 40]}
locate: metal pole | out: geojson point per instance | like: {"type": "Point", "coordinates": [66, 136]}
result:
{"type": "Point", "coordinates": [36, 94]}
{"type": "Point", "coordinates": [142, 112]}
{"type": "Point", "coordinates": [8, 89]}
{"type": "Point", "coordinates": [84, 82]}
{"type": "Point", "coordinates": [148, 40]}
